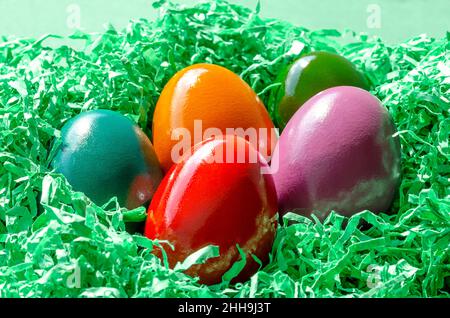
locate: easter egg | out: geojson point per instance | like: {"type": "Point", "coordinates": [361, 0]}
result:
{"type": "Point", "coordinates": [211, 199]}
{"type": "Point", "coordinates": [104, 154]}
{"type": "Point", "coordinates": [204, 100]}
{"type": "Point", "coordinates": [338, 152]}
{"type": "Point", "coordinates": [309, 75]}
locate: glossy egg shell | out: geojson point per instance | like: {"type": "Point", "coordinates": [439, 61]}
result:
{"type": "Point", "coordinates": [201, 203]}
{"type": "Point", "coordinates": [308, 76]}
{"type": "Point", "coordinates": [337, 152]}
{"type": "Point", "coordinates": [217, 97]}
{"type": "Point", "coordinates": [104, 154]}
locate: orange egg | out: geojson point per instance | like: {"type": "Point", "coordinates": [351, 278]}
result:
{"type": "Point", "coordinates": [204, 100]}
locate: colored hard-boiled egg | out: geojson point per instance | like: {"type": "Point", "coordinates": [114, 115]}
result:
{"type": "Point", "coordinates": [309, 75]}
{"type": "Point", "coordinates": [210, 199]}
{"type": "Point", "coordinates": [105, 155]}
{"type": "Point", "coordinates": [202, 98]}
{"type": "Point", "coordinates": [338, 152]}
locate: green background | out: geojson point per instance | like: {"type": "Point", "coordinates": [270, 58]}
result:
{"type": "Point", "coordinates": [400, 19]}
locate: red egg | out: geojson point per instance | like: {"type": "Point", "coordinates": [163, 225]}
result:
{"type": "Point", "coordinates": [219, 196]}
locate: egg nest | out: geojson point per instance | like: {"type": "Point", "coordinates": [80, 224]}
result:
{"type": "Point", "coordinates": [54, 242]}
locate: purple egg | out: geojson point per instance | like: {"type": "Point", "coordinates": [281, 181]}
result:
{"type": "Point", "coordinates": [338, 152]}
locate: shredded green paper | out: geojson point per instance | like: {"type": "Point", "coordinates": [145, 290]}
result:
{"type": "Point", "coordinates": [54, 242]}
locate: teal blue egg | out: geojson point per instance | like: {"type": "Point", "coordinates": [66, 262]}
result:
{"type": "Point", "coordinates": [104, 155]}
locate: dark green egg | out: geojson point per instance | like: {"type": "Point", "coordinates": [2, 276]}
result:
{"type": "Point", "coordinates": [104, 154]}
{"type": "Point", "coordinates": [309, 75]}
